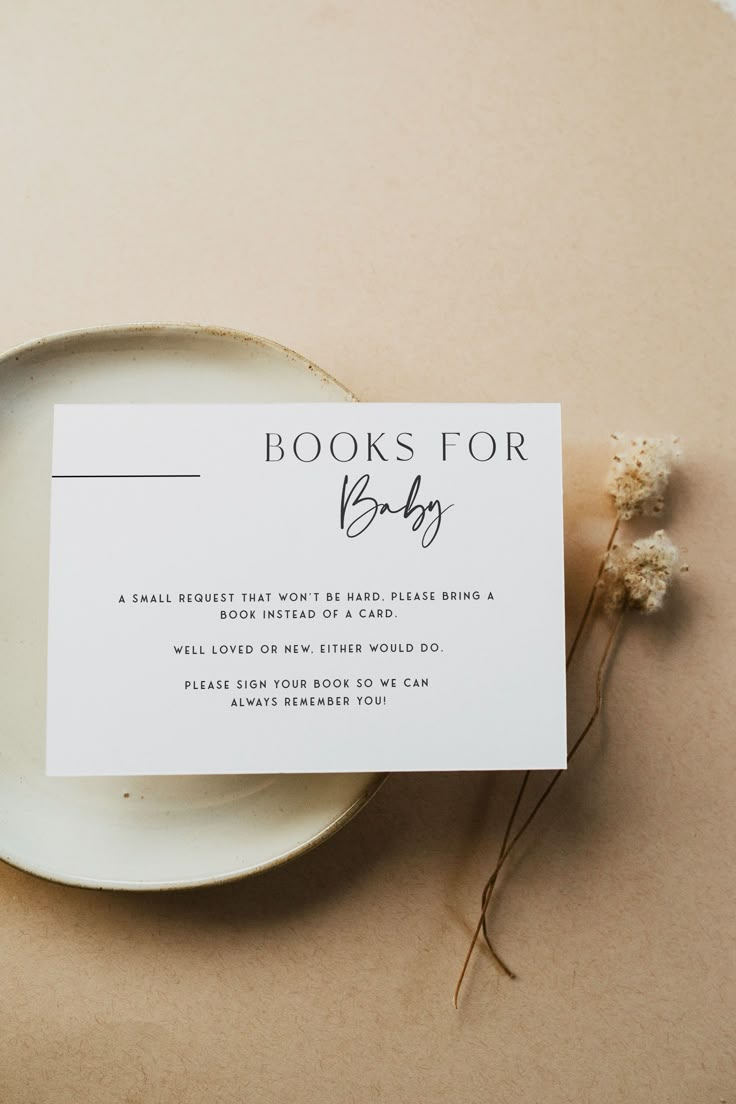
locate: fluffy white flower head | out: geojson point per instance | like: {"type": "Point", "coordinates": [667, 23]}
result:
{"type": "Point", "coordinates": [638, 575]}
{"type": "Point", "coordinates": [639, 474]}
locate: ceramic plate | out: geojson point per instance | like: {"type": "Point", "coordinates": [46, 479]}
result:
{"type": "Point", "coordinates": [135, 833]}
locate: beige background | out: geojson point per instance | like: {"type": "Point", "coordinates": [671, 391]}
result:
{"type": "Point", "coordinates": [478, 200]}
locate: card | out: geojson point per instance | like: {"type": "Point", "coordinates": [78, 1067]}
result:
{"type": "Point", "coordinates": [305, 587]}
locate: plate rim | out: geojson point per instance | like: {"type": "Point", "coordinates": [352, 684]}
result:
{"type": "Point", "coordinates": [96, 884]}
{"type": "Point", "coordinates": [129, 329]}
{"type": "Point", "coordinates": [191, 329]}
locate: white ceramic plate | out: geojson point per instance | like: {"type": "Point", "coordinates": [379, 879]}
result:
{"type": "Point", "coordinates": [137, 833]}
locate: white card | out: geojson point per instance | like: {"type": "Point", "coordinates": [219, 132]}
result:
{"type": "Point", "coordinates": [318, 587]}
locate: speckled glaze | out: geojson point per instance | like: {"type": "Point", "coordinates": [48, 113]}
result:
{"type": "Point", "coordinates": [136, 833]}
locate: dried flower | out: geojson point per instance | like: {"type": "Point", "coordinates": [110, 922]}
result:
{"type": "Point", "coordinates": [639, 474]}
{"type": "Point", "coordinates": [635, 576]}
{"type": "Point", "coordinates": [638, 574]}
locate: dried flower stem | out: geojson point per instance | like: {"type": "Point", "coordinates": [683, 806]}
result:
{"type": "Point", "coordinates": [593, 593]}
{"type": "Point", "coordinates": [599, 679]}
{"type": "Point", "coordinates": [490, 884]}
{"type": "Point", "coordinates": [489, 887]}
